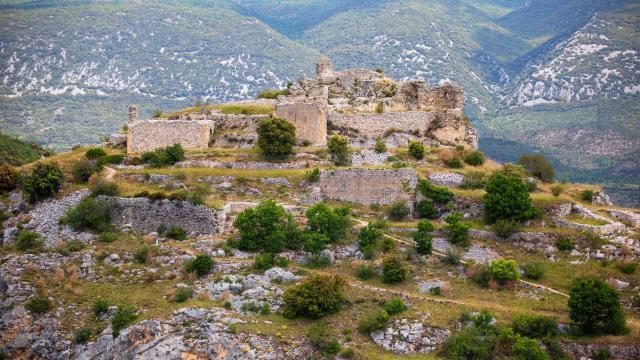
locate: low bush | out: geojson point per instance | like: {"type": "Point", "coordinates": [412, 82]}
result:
{"type": "Point", "coordinates": [365, 272]}
{"type": "Point", "coordinates": [314, 297]}
{"type": "Point", "coordinates": [100, 307]}
{"type": "Point", "coordinates": [201, 265]}
{"type": "Point", "coordinates": [454, 163]}
{"type": "Point", "coordinates": [534, 326]}
{"type": "Point", "coordinates": [110, 159]}
{"type": "Point", "coordinates": [323, 340]}
{"type": "Point", "coordinates": [503, 270]}
{"type": "Point", "coordinates": [505, 228]}
{"type": "Point", "coordinates": [534, 271]}
{"type": "Point", "coordinates": [312, 176]}
{"type": "Point", "coordinates": [602, 354]}
{"type": "Point", "coordinates": [586, 195]}
{"type": "Point", "coordinates": [627, 267]}
{"type": "Point", "coordinates": [528, 349]}
{"type": "Point", "coordinates": [107, 237]}
{"type": "Point", "coordinates": [313, 242]}
{"type": "Point", "coordinates": [82, 170]}
{"type": "Point", "coordinates": [479, 274]}
{"type": "Point", "coordinates": [422, 237]}
{"type": "Point", "coordinates": [165, 156]}
{"type": "Point", "coordinates": [565, 244]}
{"type": "Point", "coordinates": [317, 261]}
{"type": "Point", "coordinates": [276, 137]}
{"type": "Point", "coordinates": [439, 195]}
{"type": "Point", "coordinates": [416, 150]}
{"type": "Point", "coordinates": [393, 270]}
{"type": "Point", "coordinates": [42, 182]}
{"type": "Point", "coordinates": [369, 236]}
{"type": "Point", "coordinates": [272, 93]}
{"type": "Point", "coordinates": [538, 166]}
{"type": "Point", "coordinates": [339, 149]}
{"type": "Point", "coordinates": [8, 178]}
{"type": "Point", "coordinates": [458, 230]}
{"type": "Point", "coordinates": [427, 210]}
{"type": "Point", "coordinates": [475, 158]}
{"type": "Point", "coordinates": [28, 240]}
{"type": "Point", "coordinates": [470, 343]}
{"type": "Point", "coordinates": [398, 210]}
{"type": "Point", "coordinates": [451, 257]}
{"type": "Point", "coordinates": [82, 336]}
{"type": "Point", "coordinates": [90, 214]}
{"type": "Point", "coordinates": [380, 147]}
{"type": "Point", "coordinates": [557, 189]}
{"type": "Point", "coordinates": [373, 322]}
{"type": "Point", "coordinates": [395, 306]}
{"type": "Point", "coordinates": [106, 188]}
{"type": "Point", "coordinates": [123, 316]}
{"type": "Point", "coordinates": [177, 233]}
{"type": "Point", "coordinates": [94, 153]}
{"type": "Point", "coordinates": [473, 180]}
{"type": "Point", "coordinates": [38, 304]}
{"type": "Point", "coordinates": [144, 253]}
{"type": "Point", "coordinates": [182, 295]}
{"type": "Point", "coordinates": [332, 223]}
{"type": "Point", "coordinates": [266, 261]}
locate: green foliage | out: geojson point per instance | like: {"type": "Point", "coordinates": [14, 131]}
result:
{"type": "Point", "coordinates": [439, 195]}
{"type": "Point", "coordinates": [627, 267]}
{"type": "Point", "coordinates": [458, 229]}
{"type": "Point", "coordinates": [272, 93]}
{"type": "Point", "coordinates": [94, 153]}
{"type": "Point", "coordinates": [101, 306]}
{"type": "Point", "coordinates": [365, 272]}
{"type": "Point", "coordinates": [201, 265]}
{"type": "Point", "coordinates": [586, 195]}
{"type": "Point", "coordinates": [454, 163]}
{"type": "Point", "coordinates": [470, 343]}
{"type": "Point", "coordinates": [182, 294]}
{"type": "Point", "coordinates": [333, 223]}
{"type": "Point", "coordinates": [110, 159]}
{"type": "Point", "coordinates": [480, 274]}
{"type": "Point", "coordinates": [602, 354]}
{"type": "Point", "coordinates": [323, 340]}
{"type": "Point", "coordinates": [534, 326]}
{"type": "Point", "coordinates": [264, 228]}
{"type": "Point", "coordinates": [422, 237]}
{"type": "Point", "coordinates": [370, 235]}
{"type": "Point", "coordinates": [416, 150]}
{"type": "Point", "coordinates": [8, 177]}
{"type": "Point", "coordinates": [504, 270]}
{"type": "Point", "coordinates": [177, 233]}
{"type": "Point", "coordinates": [38, 304]}
{"type": "Point", "coordinates": [314, 242]}
{"type": "Point", "coordinates": [375, 321]}
{"type": "Point", "coordinates": [106, 188]}
{"type": "Point", "coordinates": [538, 166]}
{"type": "Point", "coordinates": [393, 270]}
{"type": "Point", "coordinates": [507, 198]}
{"type": "Point", "coordinates": [17, 152]}
{"type": "Point", "coordinates": [90, 214]}
{"type": "Point", "coordinates": [42, 182]}
{"type": "Point", "coordinates": [157, 113]}
{"type": "Point", "coordinates": [473, 180]}
{"type": "Point", "coordinates": [276, 137]}
{"type": "Point", "coordinates": [534, 271]}
{"type": "Point", "coordinates": [82, 336]}
{"type": "Point", "coordinates": [312, 176]}
{"type": "Point", "coordinates": [266, 261]}
{"type": "Point", "coordinates": [165, 156]}
{"type": "Point", "coordinates": [380, 108]}
{"type": "Point", "coordinates": [123, 316]}
{"type": "Point", "coordinates": [514, 170]}
{"type": "Point", "coordinates": [314, 297]}
{"type": "Point", "coordinates": [451, 257]}
{"type": "Point", "coordinates": [380, 147]}
{"type": "Point", "coordinates": [475, 158]}
{"type": "Point", "coordinates": [339, 149]}
{"type": "Point", "coordinates": [395, 306]}
{"type": "Point", "coordinates": [505, 228]}
{"type": "Point", "coordinates": [28, 240]}
{"type": "Point", "coordinates": [528, 349]}
{"type": "Point", "coordinates": [427, 210]}
{"type": "Point", "coordinates": [557, 189]}
{"type": "Point", "coordinates": [83, 169]}
{"type": "Point", "coordinates": [398, 210]}
{"type": "Point", "coordinates": [565, 244]}
{"type": "Point", "coordinates": [107, 237]}
{"type": "Point", "coordinates": [594, 307]}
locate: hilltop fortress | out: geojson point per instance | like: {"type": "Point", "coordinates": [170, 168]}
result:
{"type": "Point", "coordinates": [361, 104]}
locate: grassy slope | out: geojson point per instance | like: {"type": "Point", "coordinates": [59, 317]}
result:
{"type": "Point", "coordinates": [17, 152]}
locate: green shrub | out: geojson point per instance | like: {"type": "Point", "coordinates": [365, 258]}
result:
{"type": "Point", "coordinates": [8, 177]}
{"type": "Point", "coordinates": [473, 180]}
{"type": "Point", "coordinates": [339, 149]}
{"type": "Point", "coordinates": [82, 336]}
{"type": "Point", "coordinates": [94, 153]}
{"type": "Point", "coordinates": [90, 214]}
{"type": "Point", "coordinates": [627, 267]}
{"type": "Point", "coordinates": [475, 158]}
{"type": "Point", "coordinates": [398, 210]}
{"type": "Point", "coordinates": [380, 147]}
{"type": "Point", "coordinates": [28, 240]}
{"type": "Point", "coordinates": [470, 343]}
{"type": "Point", "coordinates": [369, 235]}
{"type": "Point", "coordinates": [101, 306]}
{"type": "Point", "coordinates": [313, 242]}
{"type": "Point", "coordinates": [365, 272]}
{"type": "Point", "coordinates": [458, 230]}
{"type": "Point", "coordinates": [422, 237]}
{"type": "Point", "coordinates": [483, 319]}
{"type": "Point", "coordinates": [395, 306]}
{"type": "Point", "coordinates": [528, 349]}
{"type": "Point", "coordinates": [454, 163]}
{"type": "Point", "coordinates": [38, 304]}
{"type": "Point", "coordinates": [380, 108]}
{"type": "Point", "coordinates": [514, 170]}
{"type": "Point", "coordinates": [143, 253]}
{"type": "Point", "coordinates": [480, 274]}
{"type": "Point", "coordinates": [348, 353]}
{"type": "Point", "coordinates": [507, 198]}
{"type": "Point", "coordinates": [557, 189]}
{"type": "Point", "coordinates": [416, 150]}
{"type": "Point", "coordinates": [538, 166]}
{"type": "Point", "coordinates": [333, 223]}
{"type": "Point", "coordinates": [373, 322]}
{"type": "Point", "coordinates": [312, 176]}
{"type": "Point", "coordinates": [586, 195]}
{"type": "Point", "coordinates": [157, 113]}
{"type": "Point", "coordinates": [82, 170]}
{"type": "Point", "coordinates": [534, 271]}
{"type": "Point", "coordinates": [165, 156]}
{"type": "Point", "coordinates": [106, 188]}
{"type": "Point", "coordinates": [317, 261]}
{"type": "Point", "coordinates": [439, 195]}
{"type": "Point", "coordinates": [182, 295]}
{"type": "Point", "coordinates": [504, 270]}
{"type": "Point", "coordinates": [272, 93]}
{"type": "Point", "coordinates": [268, 227]}
{"type": "Point", "coordinates": [177, 233]}
{"type": "Point", "coordinates": [124, 316]}
{"type": "Point", "coordinates": [110, 159]}
{"type": "Point", "coordinates": [451, 257]}
{"type": "Point", "coordinates": [263, 262]}
{"type": "Point", "coordinates": [594, 307]}
{"type": "Point", "coordinates": [314, 297]}
{"type": "Point", "coordinates": [602, 354]}
{"type": "Point", "coordinates": [393, 270]}
{"type": "Point", "coordinates": [107, 237]}
{"type": "Point", "coordinates": [427, 210]}
{"type": "Point", "coordinates": [323, 340]}
{"type": "Point", "coordinates": [201, 265]}
{"type": "Point", "coordinates": [42, 182]}
{"type": "Point", "coordinates": [534, 326]}
{"type": "Point", "coordinates": [565, 244]}
{"type": "Point", "coordinates": [505, 228]}
{"type": "Point", "coordinates": [276, 137]}
{"type": "Point", "coordinates": [388, 244]}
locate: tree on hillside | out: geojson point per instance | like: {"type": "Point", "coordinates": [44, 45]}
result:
{"type": "Point", "coordinates": [595, 307]}
{"type": "Point", "coordinates": [538, 166]}
{"type": "Point", "coordinates": [276, 137]}
{"type": "Point", "coordinates": [42, 182]}
{"type": "Point", "coordinates": [507, 198]}
{"type": "Point", "coordinates": [268, 227]}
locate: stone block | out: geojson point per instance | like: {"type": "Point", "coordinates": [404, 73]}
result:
{"type": "Point", "coordinates": [369, 186]}
{"type": "Point", "coordinates": [309, 120]}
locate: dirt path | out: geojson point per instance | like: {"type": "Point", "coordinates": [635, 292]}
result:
{"type": "Point", "coordinates": [109, 173]}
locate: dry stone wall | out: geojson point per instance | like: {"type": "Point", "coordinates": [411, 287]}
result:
{"type": "Point", "coordinates": [369, 186]}
{"type": "Point", "coordinates": [309, 120]}
{"type": "Point", "coordinates": [147, 135]}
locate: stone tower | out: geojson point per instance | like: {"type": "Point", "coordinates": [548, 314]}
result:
{"type": "Point", "coordinates": [133, 113]}
{"type": "Point", "coordinates": [324, 69]}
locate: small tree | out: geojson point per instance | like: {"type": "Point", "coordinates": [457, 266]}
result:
{"type": "Point", "coordinates": [339, 150]}
{"type": "Point", "coordinates": [594, 307]}
{"type": "Point", "coordinates": [276, 137]}
{"type": "Point", "coordinates": [507, 198]}
{"type": "Point", "coordinates": [398, 210]}
{"type": "Point", "coordinates": [369, 236]}
{"type": "Point", "coordinates": [124, 316]}
{"type": "Point", "coordinates": [201, 265]}
{"type": "Point", "coordinates": [528, 349]}
{"type": "Point", "coordinates": [42, 182]}
{"type": "Point", "coordinates": [94, 153]}
{"type": "Point", "coordinates": [458, 230]}
{"type": "Point", "coordinates": [83, 169]}
{"type": "Point", "coordinates": [393, 270]}
{"type": "Point", "coordinates": [264, 228]}
{"type": "Point", "coordinates": [8, 177]}
{"type": "Point", "coordinates": [534, 326]}
{"type": "Point", "coordinates": [164, 156]}
{"type": "Point", "coordinates": [314, 297]}
{"type": "Point", "coordinates": [416, 149]}
{"type": "Point", "coordinates": [333, 223]}
{"type": "Point", "coordinates": [439, 195]}
{"type": "Point", "coordinates": [90, 214]}
{"type": "Point", "coordinates": [538, 166]}
{"type": "Point", "coordinates": [475, 158]}
{"type": "Point", "coordinates": [503, 270]}
{"type": "Point", "coordinates": [380, 146]}
{"type": "Point", "coordinates": [427, 210]}
{"type": "Point", "coordinates": [422, 237]}
{"type": "Point", "coordinates": [28, 240]}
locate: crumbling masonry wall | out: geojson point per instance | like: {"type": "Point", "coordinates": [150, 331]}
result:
{"type": "Point", "coordinates": [147, 135]}
{"type": "Point", "coordinates": [309, 120]}
{"type": "Point", "coordinates": [369, 186]}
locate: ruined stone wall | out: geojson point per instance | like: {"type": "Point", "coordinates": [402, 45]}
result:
{"type": "Point", "coordinates": [369, 186]}
{"type": "Point", "coordinates": [147, 135]}
{"type": "Point", "coordinates": [308, 118]}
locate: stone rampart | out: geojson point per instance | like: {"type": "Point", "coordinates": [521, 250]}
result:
{"type": "Point", "coordinates": [369, 186]}
{"type": "Point", "coordinates": [308, 118]}
{"type": "Point", "coordinates": [147, 135]}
